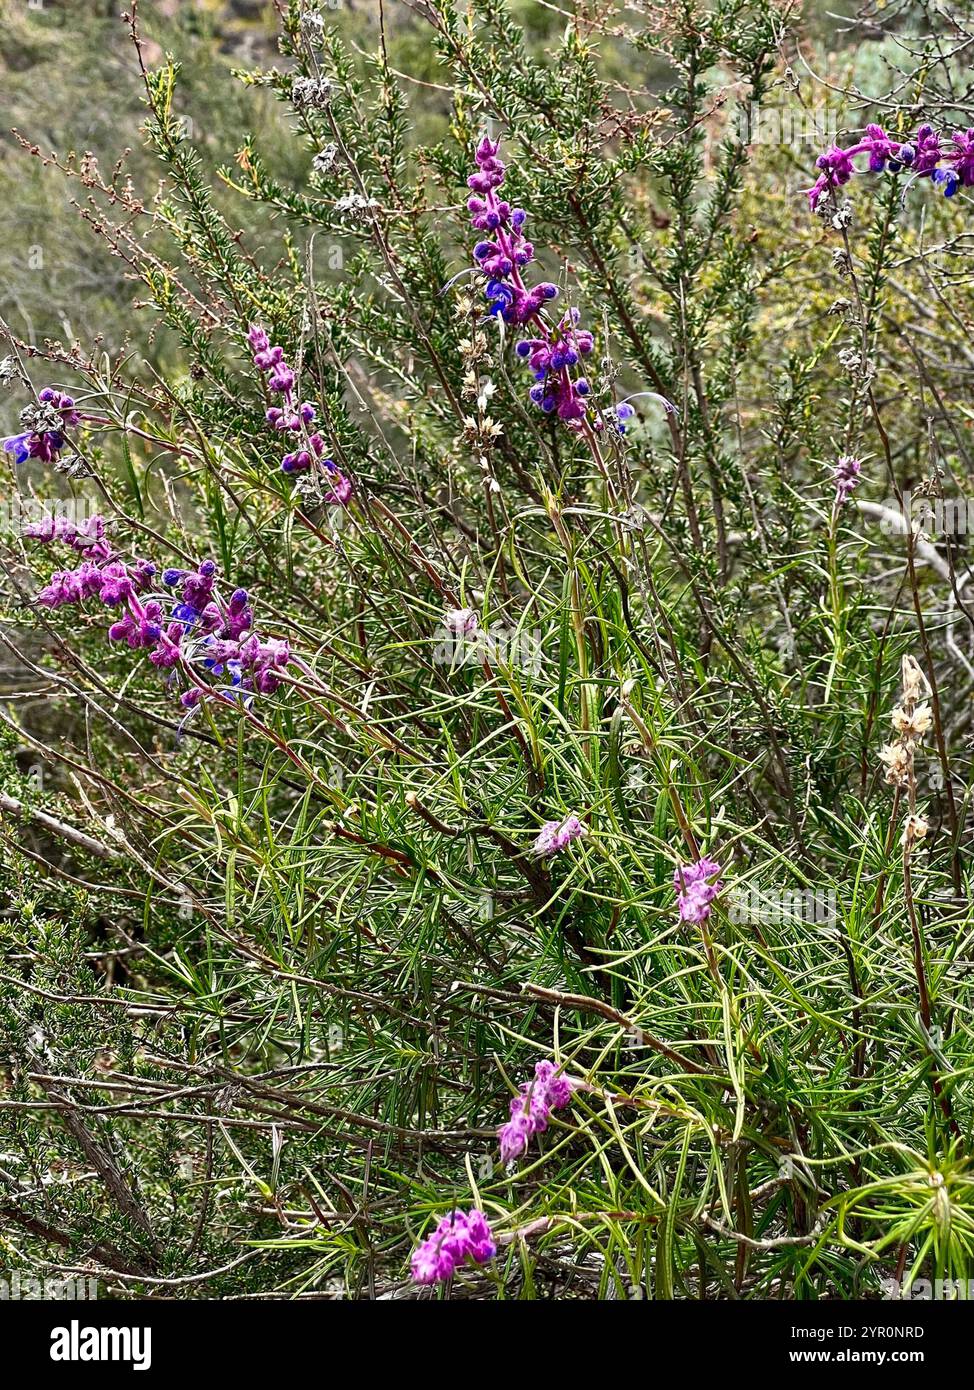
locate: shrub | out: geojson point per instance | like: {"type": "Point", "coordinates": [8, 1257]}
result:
{"type": "Point", "coordinates": [490, 685]}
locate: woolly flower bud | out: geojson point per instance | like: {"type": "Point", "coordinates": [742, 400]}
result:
{"type": "Point", "coordinates": [461, 621]}
{"type": "Point", "coordinates": [556, 835]}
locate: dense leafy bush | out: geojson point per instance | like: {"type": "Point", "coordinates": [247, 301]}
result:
{"type": "Point", "coordinates": [588, 704]}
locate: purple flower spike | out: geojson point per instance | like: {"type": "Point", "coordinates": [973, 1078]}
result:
{"type": "Point", "coordinates": [924, 156]}
{"type": "Point", "coordinates": [694, 893]}
{"type": "Point", "coordinates": [193, 627]}
{"type": "Point", "coordinates": [197, 589]}
{"type": "Point", "coordinates": [846, 476]}
{"type": "Point", "coordinates": [555, 350]}
{"type": "Point", "coordinates": [557, 347]}
{"type": "Point", "coordinates": [531, 1108]}
{"type": "Point", "coordinates": [88, 537]}
{"type": "Point", "coordinates": [295, 416]}
{"type": "Point", "coordinates": [458, 1237]}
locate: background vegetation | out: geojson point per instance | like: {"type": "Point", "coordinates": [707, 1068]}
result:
{"type": "Point", "coordinates": [272, 975]}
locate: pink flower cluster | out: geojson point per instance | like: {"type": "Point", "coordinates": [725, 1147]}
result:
{"type": "Point", "coordinates": [459, 1237]}
{"type": "Point", "coordinates": [100, 575]}
{"type": "Point", "coordinates": [557, 835]}
{"type": "Point", "coordinates": [845, 476]}
{"type": "Point", "coordinates": [295, 417]}
{"type": "Point", "coordinates": [193, 628]}
{"type": "Point", "coordinates": [88, 537]}
{"type": "Point", "coordinates": [694, 893]}
{"type": "Point", "coordinates": [462, 622]}
{"type": "Point", "coordinates": [922, 156]}
{"type": "Point", "coordinates": [531, 1107]}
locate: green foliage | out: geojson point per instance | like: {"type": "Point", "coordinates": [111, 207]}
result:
{"type": "Point", "coordinates": [266, 1014]}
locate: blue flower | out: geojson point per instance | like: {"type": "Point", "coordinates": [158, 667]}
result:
{"type": "Point", "coordinates": [16, 444]}
{"type": "Point", "coordinates": [500, 295]}
{"type": "Point", "coordinates": [949, 179]}
{"type": "Point", "coordinates": [624, 411]}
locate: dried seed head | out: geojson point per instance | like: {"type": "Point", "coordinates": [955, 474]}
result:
{"type": "Point", "coordinates": [357, 206]}
{"type": "Point", "coordinates": [899, 764]}
{"type": "Point", "coordinates": [311, 93]}
{"type": "Point", "coordinates": [313, 27]}
{"type": "Point", "coordinates": [915, 682]}
{"type": "Point", "coordinates": [74, 466]}
{"type": "Point", "coordinates": [324, 160]}
{"type": "Point", "coordinates": [915, 828]}
{"type": "Point", "coordinates": [913, 724]}
{"type": "Point", "coordinates": [42, 418]}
